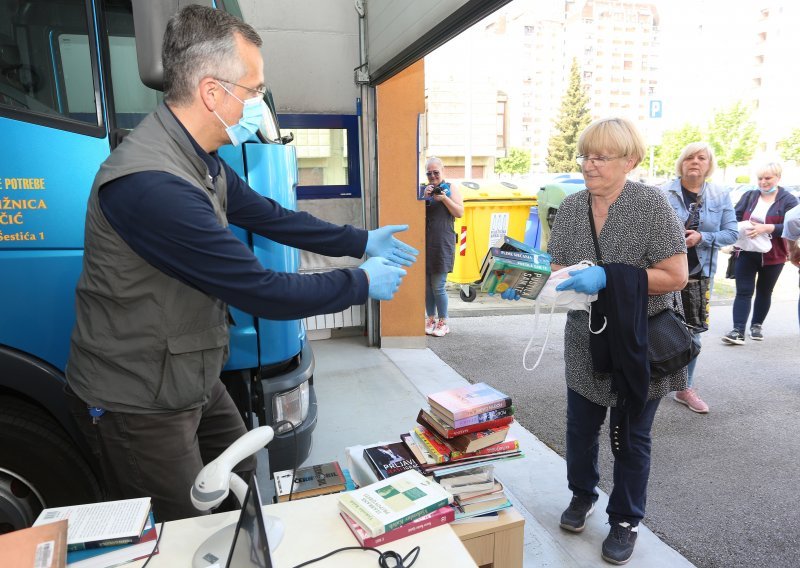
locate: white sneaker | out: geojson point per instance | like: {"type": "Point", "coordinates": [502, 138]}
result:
{"type": "Point", "coordinates": [441, 329]}
{"type": "Point", "coordinates": [430, 324]}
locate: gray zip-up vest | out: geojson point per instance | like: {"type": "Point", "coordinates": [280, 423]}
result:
{"type": "Point", "coordinates": [144, 341]}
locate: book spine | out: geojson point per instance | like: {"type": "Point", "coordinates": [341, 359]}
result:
{"type": "Point", "coordinates": [439, 451]}
{"type": "Point", "coordinates": [415, 515]}
{"type": "Point", "coordinates": [507, 446]}
{"type": "Point", "coordinates": [441, 516]}
{"type": "Point", "coordinates": [424, 419]}
{"type": "Point", "coordinates": [483, 417]}
{"type": "Point", "coordinates": [482, 409]}
{"type": "Point", "coordinates": [75, 546]}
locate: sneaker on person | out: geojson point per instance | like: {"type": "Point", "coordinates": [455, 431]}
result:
{"type": "Point", "coordinates": [430, 324]}
{"type": "Point", "coordinates": [689, 398]}
{"type": "Point", "coordinates": [574, 518]}
{"type": "Point", "coordinates": [441, 329]}
{"type": "Point", "coordinates": [733, 337]}
{"type": "Point", "coordinates": [755, 332]}
{"type": "Point", "coordinates": [618, 545]}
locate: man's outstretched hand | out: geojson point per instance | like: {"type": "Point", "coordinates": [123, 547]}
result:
{"type": "Point", "coordinates": [382, 242]}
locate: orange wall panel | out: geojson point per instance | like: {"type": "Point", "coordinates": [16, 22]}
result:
{"type": "Point", "coordinates": [400, 101]}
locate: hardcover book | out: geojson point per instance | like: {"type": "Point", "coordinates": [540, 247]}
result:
{"type": "Point", "coordinates": [390, 503]}
{"type": "Point", "coordinates": [96, 525]}
{"type": "Point", "coordinates": [440, 516]}
{"type": "Point", "coordinates": [467, 401]}
{"type": "Point", "coordinates": [502, 272]}
{"type": "Point", "coordinates": [496, 414]}
{"type": "Point", "coordinates": [115, 555]}
{"type": "Point", "coordinates": [442, 452]}
{"type": "Point", "coordinates": [483, 507]}
{"type": "Point", "coordinates": [390, 459]}
{"type": "Point", "coordinates": [431, 421]}
{"type": "Point", "coordinates": [474, 441]}
{"type": "Point", "coordinates": [309, 481]}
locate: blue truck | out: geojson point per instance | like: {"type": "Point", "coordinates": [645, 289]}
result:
{"type": "Point", "coordinates": [75, 77]}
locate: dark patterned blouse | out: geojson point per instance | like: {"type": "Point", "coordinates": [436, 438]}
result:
{"type": "Point", "coordinates": [641, 230]}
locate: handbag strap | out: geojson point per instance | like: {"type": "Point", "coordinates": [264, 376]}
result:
{"type": "Point", "coordinates": [594, 236]}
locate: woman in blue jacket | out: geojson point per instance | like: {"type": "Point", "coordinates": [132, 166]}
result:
{"type": "Point", "coordinates": [706, 211]}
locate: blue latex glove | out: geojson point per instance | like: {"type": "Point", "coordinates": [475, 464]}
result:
{"type": "Point", "coordinates": [382, 242]}
{"type": "Point", "coordinates": [510, 294]}
{"type": "Point", "coordinates": [384, 277]}
{"type": "Point", "coordinates": [585, 280]}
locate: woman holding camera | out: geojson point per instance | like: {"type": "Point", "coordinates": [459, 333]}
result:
{"type": "Point", "coordinates": [443, 204]}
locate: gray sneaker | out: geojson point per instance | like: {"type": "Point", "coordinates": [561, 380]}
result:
{"type": "Point", "coordinates": [755, 332]}
{"type": "Point", "coordinates": [618, 545]}
{"type": "Point", "coordinates": [574, 518]}
{"type": "Point", "coordinates": [733, 337]}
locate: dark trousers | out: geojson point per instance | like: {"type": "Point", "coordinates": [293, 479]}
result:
{"type": "Point", "coordinates": [159, 455]}
{"type": "Point", "coordinates": [631, 470]}
{"type": "Point", "coordinates": [752, 276]}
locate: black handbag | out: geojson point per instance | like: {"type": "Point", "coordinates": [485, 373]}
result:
{"type": "Point", "coordinates": [670, 344]}
{"type": "Point", "coordinates": [730, 272]}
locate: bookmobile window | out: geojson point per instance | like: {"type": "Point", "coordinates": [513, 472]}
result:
{"type": "Point", "coordinates": [327, 154]}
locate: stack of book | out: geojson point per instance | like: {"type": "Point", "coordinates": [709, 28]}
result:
{"type": "Point", "coordinates": [309, 481]}
{"type": "Point", "coordinates": [392, 508]}
{"type": "Point", "coordinates": [464, 429]}
{"type": "Point", "coordinates": [515, 265]}
{"type": "Point", "coordinates": [107, 533]}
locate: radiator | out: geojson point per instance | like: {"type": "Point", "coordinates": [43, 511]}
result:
{"type": "Point", "coordinates": [353, 316]}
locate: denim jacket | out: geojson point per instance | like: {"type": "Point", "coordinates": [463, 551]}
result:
{"type": "Point", "coordinates": [718, 225]}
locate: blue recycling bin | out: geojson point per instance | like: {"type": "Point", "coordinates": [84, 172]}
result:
{"type": "Point", "coordinates": [533, 228]}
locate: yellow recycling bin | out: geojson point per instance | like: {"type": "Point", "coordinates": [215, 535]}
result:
{"type": "Point", "coordinates": [492, 210]}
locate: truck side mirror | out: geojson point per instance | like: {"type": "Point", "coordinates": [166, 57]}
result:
{"type": "Point", "coordinates": [149, 22]}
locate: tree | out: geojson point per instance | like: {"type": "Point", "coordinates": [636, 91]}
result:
{"type": "Point", "coordinates": [672, 143]}
{"type": "Point", "coordinates": [733, 136]}
{"type": "Point", "coordinates": [573, 119]}
{"type": "Point", "coordinates": [790, 147]}
{"type": "Point", "coordinates": [518, 161]}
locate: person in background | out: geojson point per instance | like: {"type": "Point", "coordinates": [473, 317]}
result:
{"type": "Point", "coordinates": [710, 223]}
{"type": "Point", "coordinates": [791, 232]}
{"type": "Point", "coordinates": [643, 250]}
{"type": "Point", "coordinates": [758, 272]}
{"type": "Point", "coordinates": [161, 266]}
{"type": "Point", "coordinates": [443, 204]}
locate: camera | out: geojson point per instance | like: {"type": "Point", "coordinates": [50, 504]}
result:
{"type": "Point", "coordinates": [437, 190]}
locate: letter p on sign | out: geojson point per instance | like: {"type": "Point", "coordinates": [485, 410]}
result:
{"type": "Point", "coordinates": [655, 109]}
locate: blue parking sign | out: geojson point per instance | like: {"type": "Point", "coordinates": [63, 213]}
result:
{"type": "Point", "coordinates": [655, 109]}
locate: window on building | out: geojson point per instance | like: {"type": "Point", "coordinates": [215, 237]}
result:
{"type": "Point", "coordinates": [327, 154]}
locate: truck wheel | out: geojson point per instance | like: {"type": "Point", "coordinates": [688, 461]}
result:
{"type": "Point", "coordinates": [40, 466]}
{"type": "Point", "coordinates": [469, 295]}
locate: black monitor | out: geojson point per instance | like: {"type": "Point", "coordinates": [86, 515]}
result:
{"type": "Point", "coordinates": [250, 548]}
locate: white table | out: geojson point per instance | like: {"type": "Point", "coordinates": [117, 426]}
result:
{"type": "Point", "coordinates": [312, 528]}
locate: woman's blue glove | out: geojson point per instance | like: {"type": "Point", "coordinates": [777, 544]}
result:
{"type": "Point", "coordinates": [585, 280]}
{"type": "Point", "coordinates": [384, 277]}
{"type": "Point", "coordinates": [382, 242]}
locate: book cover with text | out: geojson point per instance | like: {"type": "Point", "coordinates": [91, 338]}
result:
{"type": "Point", "coordinates": [469, 400]}
{"type": "Point", "coordinates": [390, 459]}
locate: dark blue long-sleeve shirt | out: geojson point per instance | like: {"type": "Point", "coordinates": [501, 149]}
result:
{"type": "Point", "coordinates": [172, 226]}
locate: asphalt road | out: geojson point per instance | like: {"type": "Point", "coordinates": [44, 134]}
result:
{"type": "Point", "coordinates": [724, 487]}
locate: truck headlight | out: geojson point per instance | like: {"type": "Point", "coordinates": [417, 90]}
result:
{"type": "Point", "coordinates": [292, 406]}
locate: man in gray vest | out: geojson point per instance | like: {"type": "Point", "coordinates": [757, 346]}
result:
{"type": "Point", "coordinates": [161, 266]}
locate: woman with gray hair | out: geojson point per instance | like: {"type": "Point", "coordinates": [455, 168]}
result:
{"type": "Point", "coordinates": [706, 211]}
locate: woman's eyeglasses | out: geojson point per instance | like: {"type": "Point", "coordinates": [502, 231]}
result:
{"type": "Point", "coordinates": [596, 161]}
{"type": "Point", "coordinates": [433, 173]}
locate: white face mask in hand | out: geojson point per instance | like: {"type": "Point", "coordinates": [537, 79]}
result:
{"type": "Point", "coordinates": [569, 299]}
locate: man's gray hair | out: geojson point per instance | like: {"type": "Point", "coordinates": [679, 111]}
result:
{"type": "Point", "coordinates": [201, 42]}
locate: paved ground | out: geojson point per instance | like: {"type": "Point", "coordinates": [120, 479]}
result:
{"type": "Point", "coordinates": [723, 485]}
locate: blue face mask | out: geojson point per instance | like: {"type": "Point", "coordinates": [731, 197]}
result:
{"type": "Point", "coordinates": [252, 120]}
{"type": "Point", "coordinates": [768, 191]}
